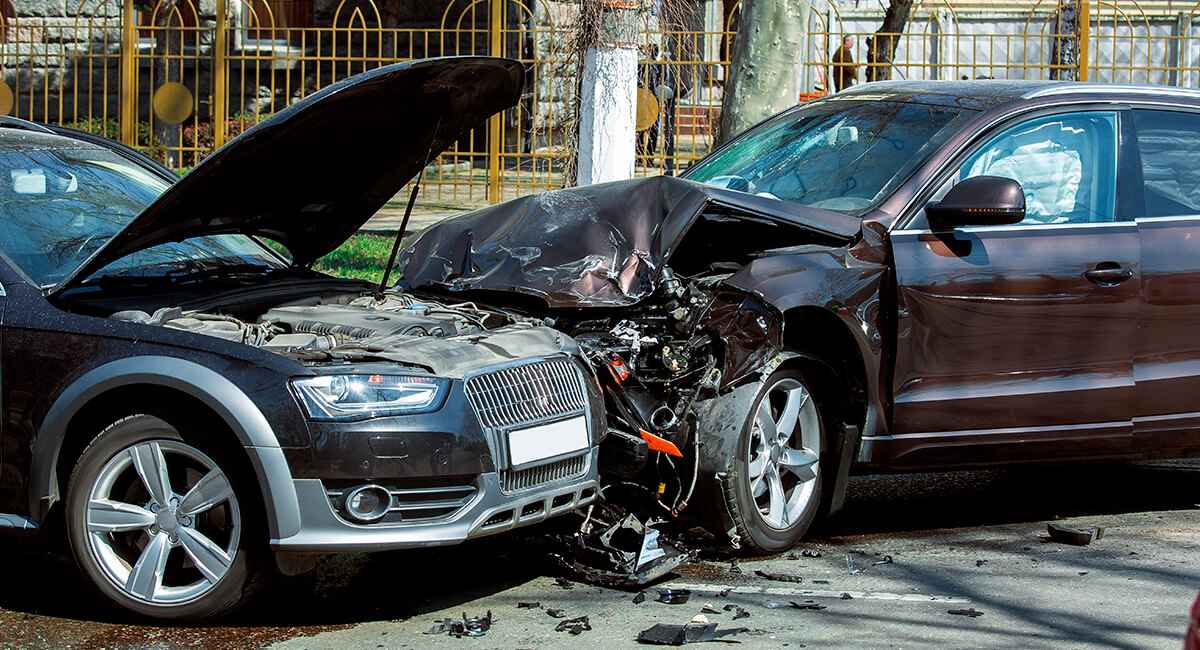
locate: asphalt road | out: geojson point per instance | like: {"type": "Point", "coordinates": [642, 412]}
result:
{"type": "Point", "coordinates": [967, 540]}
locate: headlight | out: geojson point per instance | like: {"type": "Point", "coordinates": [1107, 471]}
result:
{"type": "Point", "coordinates": [356, 397]}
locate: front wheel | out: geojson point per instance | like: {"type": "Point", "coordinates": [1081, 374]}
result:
{"type": "Point", "coordinates": [155, 520]}
{"type": "Point", "coordinates": [773, 493]}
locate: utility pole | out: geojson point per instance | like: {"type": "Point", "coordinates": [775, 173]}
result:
{"type": "Point", "coordinates": [608, 95]}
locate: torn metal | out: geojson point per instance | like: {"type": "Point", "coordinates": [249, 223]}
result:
{"type": "Point", "coordinates": [613, 548]}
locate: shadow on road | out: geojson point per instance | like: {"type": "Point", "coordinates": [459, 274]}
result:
{"type": "Point", "coordinates": [44, 601]}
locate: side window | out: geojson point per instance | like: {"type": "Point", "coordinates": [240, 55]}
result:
{"type": "Point", "coordinates": [1169, 144]}
{"type": "Point", "coordinates": [1067, 165]}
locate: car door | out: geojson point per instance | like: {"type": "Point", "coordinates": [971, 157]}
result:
{"type": "Point", "coordinates": [1018, 340]}
{"type": "Point", "coordinates": [1167, 356]}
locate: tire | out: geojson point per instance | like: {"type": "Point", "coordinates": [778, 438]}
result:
{"type": "Point", "coordinates": [771, 516]}
{"type": "Point", "coordinates": [179, 544]}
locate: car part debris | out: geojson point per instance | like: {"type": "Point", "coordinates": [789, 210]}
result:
{"type": "Point", "coordinates": [979, 563]}
{"type": "Point", "coordinates": [851, 568]}
{"type": "Point", "coordinates": [639, 598]}
{"type": "Point", "coordinates": [474, 626]}
{"type": "Point", "coordinates": [818, 581]}
{"type": "Point", "coordinates": [564, 583]}
{"type": "Point", "coordinates": [846, 596]}
{"type": "Point", "coordinates": [574, 626]}
{"type": "Point", "coordinates": [887, 559]}
{"type": "Point", "coordinates": [791, 604]}
{"type": "Point", "coordinates": [970, 611]}
{"type": "Point", "coordinates": [676, 635]}
{"type": "Point", "coordinates": [738, 611]}
{"type": "Point", "coordinates": [810, 553]}
{"type": "Point", "coordinates": [700, 619]}
{"type": "Point", "coordinates": [709, 608]}
{"type": "Point", "coordinates": [533, 605]}
{"type": "Point", "coordinates": [778, 577]}
{"type": "Point", "coordinates": [674, 596]}
{"type": "Point", "coordinates": [556, 613]}
{"type": "Point", "coordinates": [614, 548]}
{"type": "Point", "coordinates": [1076, 536]}
{"type": "Point", "coordinates": [734, 568]}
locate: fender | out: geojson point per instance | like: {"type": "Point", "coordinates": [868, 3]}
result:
{"type": "Point", "coordinates": [215, 391]}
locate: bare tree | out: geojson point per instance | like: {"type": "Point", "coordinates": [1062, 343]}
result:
{"type": "Point", "coordinates": [881, 46]}
{"type": "Point", "coordinates": [764, 75]}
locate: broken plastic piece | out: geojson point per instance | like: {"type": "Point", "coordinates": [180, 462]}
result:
{"type": "Point", "coordinates": [674, 596]}
{"type": "Point", "coordinates": [791, 604]}
{"type": "Point", "coordinates": [847, 596]}
{"type": "Point", "coordinates": [639, 598]}
{"type": "Point", "coordinates": [1076, 536]}
{"type": "Point", "coordinates": [474, 626]}
{"type": "Point", "coordinates": [887, 559]}
{"type": "Point", "coordinates": [574, 626]}
{"type": "Point", "coordinates": [709, 609]}
{"type": "Point", "coordinates": [620, 371]}
{"type": "Point", "coordinates": [970, 611]}
{"type": "Point", "coordinates": [625, 555]}
{"type": "Point", "coordinates": [657, 443]}
{"type": "Point", "coordinates": [556, 613]}
{"type": "Point", "coordinates": [564, 583]}
{"type": "Point", "coordinates": [524, 605]}
{"type": "Point", "coordinates": [738, 610]}
{"type": "Point", "coordinates": [778, 577]}
{"type": "Point", "coordinates": [667, 634]}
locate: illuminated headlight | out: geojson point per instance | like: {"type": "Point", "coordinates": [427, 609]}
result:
{"type": "Point", "coordinates": [356, 397]}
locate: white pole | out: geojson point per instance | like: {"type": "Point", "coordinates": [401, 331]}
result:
{"type": "Point", "coordinates": [608, 98]}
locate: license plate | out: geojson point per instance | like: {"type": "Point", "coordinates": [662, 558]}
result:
{"type": "Point", "coordinates": [547, 441]}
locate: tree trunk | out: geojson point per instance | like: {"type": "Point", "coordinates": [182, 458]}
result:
{"type": "Point", "coordinates": [881, 47]}
{"type": "Point", "coordinates": [764, 76]}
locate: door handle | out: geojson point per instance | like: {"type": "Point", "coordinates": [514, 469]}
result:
{"type": "Point", "coordinates": [1108, 274]}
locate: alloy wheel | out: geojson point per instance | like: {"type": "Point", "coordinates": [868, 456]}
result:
{"type": "Point", "coordinates": [163, 522]}
{"type": "Point", "coordinates": [784, 453]}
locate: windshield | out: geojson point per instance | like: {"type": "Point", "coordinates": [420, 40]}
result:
{"type": "Point", "coordinates": [58, 206]}
{"type": "Point", "coordinates": [844, 155]}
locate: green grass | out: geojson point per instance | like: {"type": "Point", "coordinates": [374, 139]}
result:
{"type": "Point", "coordinates": [361, 257]}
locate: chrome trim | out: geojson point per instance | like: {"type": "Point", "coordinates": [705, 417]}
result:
{"type": "Point", "coordinates": [1166, 219]}
{"type": "Point", "coordinates": [1102, 89]}
{"type": "Point", "coordinates": [524, 395]}
{"type": "Point", "coordinates": [491, 512]}
{"type": "Point", "coordinates": [1039, 227]}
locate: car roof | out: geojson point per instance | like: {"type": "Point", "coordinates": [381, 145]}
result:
{"type": "Point", "coordinates": [984, 94]}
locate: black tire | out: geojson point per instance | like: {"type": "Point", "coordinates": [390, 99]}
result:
{"type": "Point", "coordinates": [250, 561]}
{"type": "Point", "coordinates": [754, 532]}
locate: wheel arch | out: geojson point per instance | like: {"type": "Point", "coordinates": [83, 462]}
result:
{"type": "Point", "coordinates": [108, 387]}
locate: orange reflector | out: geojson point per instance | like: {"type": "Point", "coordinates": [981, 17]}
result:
{"type": "Point", "coordinates": [660, 444]}
{"type": "Point", "coordinates": [375, 379]}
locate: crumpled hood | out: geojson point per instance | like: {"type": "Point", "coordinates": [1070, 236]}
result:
{"type": "Point", "coordinates": [312, 174]}
{"type": "Point", "coordinates": [598, 245]}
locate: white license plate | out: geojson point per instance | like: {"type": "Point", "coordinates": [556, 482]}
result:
{"type": "Point", "coordinates": [547, 441]}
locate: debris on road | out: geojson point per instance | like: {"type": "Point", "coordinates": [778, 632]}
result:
{"type": "Point", "coordinates": [674, 596]}
{"type": "Point", "coordinates": [556, 613]}
{"type": "Point", "coordinates": [639, 598]}
{"type": "Point", "coordinates": [887, 559]}
{"type": "Point", "coordinates": [810, 553]}
{"type": "Point", "coordinates": [474, 626]}
{"type": "Point", "coordinates": [778, 577]}
{"type": "Point", "coordinates": [847, 596]}
{"type": "Point", "coordinates": [533, 605]}
{"type": "Point", "coordinates": [564, 583]}
{"type": "Point", "coordinates": [709, 608]}
{"type": "Point", "coordinates": [614, 548]}
{"type": "Point", "coordinates": [791, 604]}
{"type": "Point", "coordinates": [979, 563]}
{"type": "Point", "coordinates": [738, 610]}
{"type": "Point", "coordinates": [970, 611]}
{"type": "Point", "coordinates": [851, 568]}
{"type": "Point", "coordinates": [1075, 536]}
{"type": "Point", "coordinates": [574, 626]}
{"type": "Point", "coordinates": [676, 635]}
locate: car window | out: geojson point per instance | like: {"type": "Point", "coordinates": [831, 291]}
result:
{"type": "Point", "coordinates": [844, 155]}
{"type": "Point", "coordinates": [1066, 164]}
{"type": "Point", "coordinates": [1169, 145]}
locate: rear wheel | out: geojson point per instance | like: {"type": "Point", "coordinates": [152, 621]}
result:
{"type": "Point", "coordinates": [774, 489]}
{"type": "Point", "coordinates": [158, 522]}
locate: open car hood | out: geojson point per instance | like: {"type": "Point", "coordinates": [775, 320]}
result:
{"type": "Point", "coordinates": [593, 246]}
{"type": "Point", "coordinates": [312, 174]}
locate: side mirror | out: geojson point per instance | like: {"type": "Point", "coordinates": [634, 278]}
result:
{"type": "Point", "coordinates": [978, 201]}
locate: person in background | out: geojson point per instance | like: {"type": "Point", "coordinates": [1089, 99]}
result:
{"type": "Point", "coordinates": [845, 73]}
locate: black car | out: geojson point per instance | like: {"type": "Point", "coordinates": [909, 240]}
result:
{"type": "Point", "coordinates": [196, 409]}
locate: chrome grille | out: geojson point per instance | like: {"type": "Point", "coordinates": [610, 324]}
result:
{"type": "Point", "coordinates": [419, 504]}
{"type": "Point", "coordinates": [523, 479]}
{"type": "Point", "coordinates": [526, 394]}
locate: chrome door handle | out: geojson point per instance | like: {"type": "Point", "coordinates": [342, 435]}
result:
{"type": "Point", "coordinates": [1109, 274]}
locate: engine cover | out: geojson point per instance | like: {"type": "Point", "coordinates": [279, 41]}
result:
{"type": "Point", "coordinates": [347, 322]}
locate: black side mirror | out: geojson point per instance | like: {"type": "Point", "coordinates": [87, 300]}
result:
{"type": "Point", "coordinates": [978, 201]}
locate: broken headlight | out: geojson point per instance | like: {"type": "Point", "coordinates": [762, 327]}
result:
{"type": "Point", "coordinates": [356, 397]}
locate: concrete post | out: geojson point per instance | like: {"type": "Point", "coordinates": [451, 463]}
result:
{"type": "Point", "coordinates": [608, 97]}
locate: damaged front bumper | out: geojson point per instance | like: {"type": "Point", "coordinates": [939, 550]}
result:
{"type": "Point", "coordinates": [489, 510]}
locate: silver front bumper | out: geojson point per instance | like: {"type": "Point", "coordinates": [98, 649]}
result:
{"type": "Point", "coordinates": [322, 530]}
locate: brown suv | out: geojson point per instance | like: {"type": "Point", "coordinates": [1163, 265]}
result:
{"type": "Point", "coordinates": [905, 276]}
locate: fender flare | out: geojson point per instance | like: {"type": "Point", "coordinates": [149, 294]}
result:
{"type": "Point", "coordinates": [216, 392]}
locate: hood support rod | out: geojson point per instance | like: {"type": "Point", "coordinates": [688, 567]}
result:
{"type": "Point", "coordinates": [412, 199]}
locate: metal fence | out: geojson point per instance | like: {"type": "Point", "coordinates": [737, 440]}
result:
{"type": "Point", "coordinates": [178, 78]}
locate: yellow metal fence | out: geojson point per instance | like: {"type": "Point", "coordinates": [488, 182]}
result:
{"type": "Point", "coordinates": [178, 78]}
